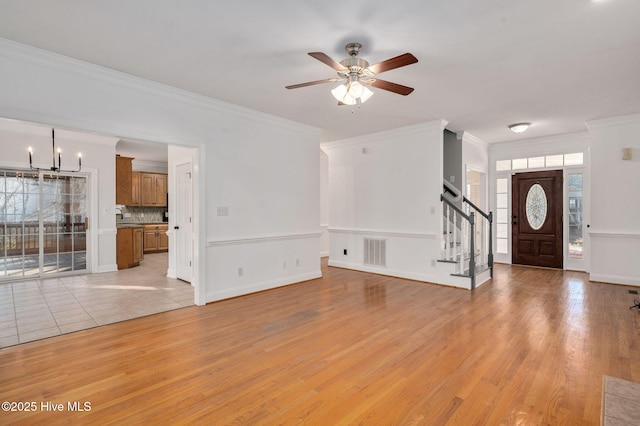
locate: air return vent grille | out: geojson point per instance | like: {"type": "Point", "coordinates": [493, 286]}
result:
{"type": "Point", "coordinates": [375, 252]}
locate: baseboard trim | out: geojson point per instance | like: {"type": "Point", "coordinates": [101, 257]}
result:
{"type": "Point", "coordinates": [615, 279]}
{"type": "Point", "coordinates": [416, 276]}
{"type": "Point", "coordinates": [214, 296]}
{"type": "Point", "coordinates": [107, 268]}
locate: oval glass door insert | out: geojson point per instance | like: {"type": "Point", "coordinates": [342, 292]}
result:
{"type": "Point", "coordinates": [536, 206]}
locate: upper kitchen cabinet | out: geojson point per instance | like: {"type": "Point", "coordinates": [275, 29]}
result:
{"type": "Point", "coordinates": [135, 189]}
{"type": "Point", "coordinates": [153, 189]}
{"type": "Point", "coordinates": [123, 180]}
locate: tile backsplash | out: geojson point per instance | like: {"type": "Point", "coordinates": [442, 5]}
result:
{"type": "Point", "coordinates": [139, 214]}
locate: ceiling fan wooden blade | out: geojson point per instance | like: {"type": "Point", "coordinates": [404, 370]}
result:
{"type": "Point", "coordinates": [393, 63]}
{"type": "Point", "coordinates": [325, 59]}
{"type": "Point", "coordinates": [311, 83]}
{"type": "Point", "coordinates": [392, 87]}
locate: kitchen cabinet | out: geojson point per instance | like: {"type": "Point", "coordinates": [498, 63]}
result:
{"type": "Point", "coordinates": [129, 246]}
{"type": "Point", "coordinates": [156, 238]}
{"type": "Point", "coordinates": [123, 180]}
{"type": "Point", "coordinates": [135, 188]}
{"type": "Point", "coordinates": [152, 189]}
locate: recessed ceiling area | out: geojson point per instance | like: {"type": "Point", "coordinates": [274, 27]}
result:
{"type": "Point", "coordinates": [482, 65]}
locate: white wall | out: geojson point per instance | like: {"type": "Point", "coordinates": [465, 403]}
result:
{"type": "Point", "coordinates": [615, 200]}
{"type": "Point", "coordinates": [387, 185]}
{"type": "Point", "coordinates": [324, 203]}
{"type": "Point", "coordinates": [98, 163]}
{"type": "Point", "coordinates": [265, 169]}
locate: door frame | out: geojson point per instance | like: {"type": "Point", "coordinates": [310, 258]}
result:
{"type": "Point", "coordinates": [196, 156]}
{"type": "Point", "coordinates": [177, 166]}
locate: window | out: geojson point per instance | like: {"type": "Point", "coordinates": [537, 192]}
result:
{"type": "Point", "coordinates": [554, 161]}
{"type": "Point", "coordinates": [573, 159]}
{"type": "Point", "coordinates": [536, 162]}
{"type": "Point", "coordinates": [502, 215]}
{"type": "Point", "coordinates": [519, 163]}
{"type": "Point", "coordinates": [503, 165]}
{"type": "Point", "coordinates": [575, 216]}
{"type": "Point", "coordinates": [42, 223]}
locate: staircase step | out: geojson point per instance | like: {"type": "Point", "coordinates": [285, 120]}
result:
{"type": "Point", "coordinates": [479, 269]}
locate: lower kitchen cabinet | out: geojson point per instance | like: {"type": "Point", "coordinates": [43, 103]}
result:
{"type": "Point", "coordinates": [129, 246]}
{"type": "Point", "coordinates": [156, 238]}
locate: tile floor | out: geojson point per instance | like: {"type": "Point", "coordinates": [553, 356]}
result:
{"type": "Point", "coordinates": [36, 309]}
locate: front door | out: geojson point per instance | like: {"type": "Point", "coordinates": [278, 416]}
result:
{"type": "Point", "coordinates": [537, 218]}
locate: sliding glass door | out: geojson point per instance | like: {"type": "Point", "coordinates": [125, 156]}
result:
{"type": "Point", "coordinates": [43, 224]}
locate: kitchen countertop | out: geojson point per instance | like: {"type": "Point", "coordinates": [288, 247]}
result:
{"type": "Point", "coordinates": [137, 225]}
{"type": "Point", "coordinates": [129, 225]}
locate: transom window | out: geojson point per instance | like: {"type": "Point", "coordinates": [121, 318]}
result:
{"type": "Point", "coordinates": [555, 161]}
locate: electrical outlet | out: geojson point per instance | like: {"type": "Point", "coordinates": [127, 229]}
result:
{"type": "Point", "coordinates": [433, 263]}
{"type": "Point", "coordinates": [297, 262]}
{"type": "Point", "coordinates": [141, 214]}
{"type": "Point", "coordinates": [240, 272]}
{"type": "Point", "coordinates": [433, 210]}
{"type": "Point", "coordinates": [284, 265]}
{"type": "Point", "coordinates": [344, 252]}
{"type": "Point", "coordinates": [223, 211]}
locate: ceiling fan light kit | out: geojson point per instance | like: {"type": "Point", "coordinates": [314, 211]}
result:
{"type": "Point", "coordinates": [356, 76]}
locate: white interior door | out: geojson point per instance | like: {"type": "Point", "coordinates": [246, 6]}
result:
{"type": "Point", "coordinates": [183, 229]}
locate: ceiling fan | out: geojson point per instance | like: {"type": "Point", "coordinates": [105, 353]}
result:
{"type": "Point", "coordinates": [357, 75]}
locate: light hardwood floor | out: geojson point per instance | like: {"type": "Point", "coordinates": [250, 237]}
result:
{"type": "Point", "coordinates": [529, 347]}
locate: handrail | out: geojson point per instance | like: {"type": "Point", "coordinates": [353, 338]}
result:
{"type": "Point", "coordinates": [456, 208]}
{"type": "Point", "coordinates": [478, 209]}
{"type": "Point", "coordinates": [449, 188]}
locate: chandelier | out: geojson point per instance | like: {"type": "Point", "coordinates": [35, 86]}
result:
{"type": "Point", "coordinates": [54, 168]}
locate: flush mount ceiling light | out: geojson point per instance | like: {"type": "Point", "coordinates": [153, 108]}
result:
{"type": "Point", "coordinates": [356, 76]}
{"type": "Point", "coordinates": [54, 167]}
{"type": "Point", "coordinates": [519, 127]}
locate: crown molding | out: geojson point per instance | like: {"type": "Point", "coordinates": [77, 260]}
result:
{"type": "Point", "coordinates": [44, 131]}
{"type": "Point", "coordinates": [46, 59]}
{"type": "Point", "coordinates": [474, 140]}
{"type": "Point", "coordinates": [614, 121]}
{"type": "Point", "coordinates": [385, 135]}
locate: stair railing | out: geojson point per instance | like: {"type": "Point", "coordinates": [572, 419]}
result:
{"type": "Point", "coordinates": [486, 227]}
{"type": "Point", "coordinates": [455, 236]}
